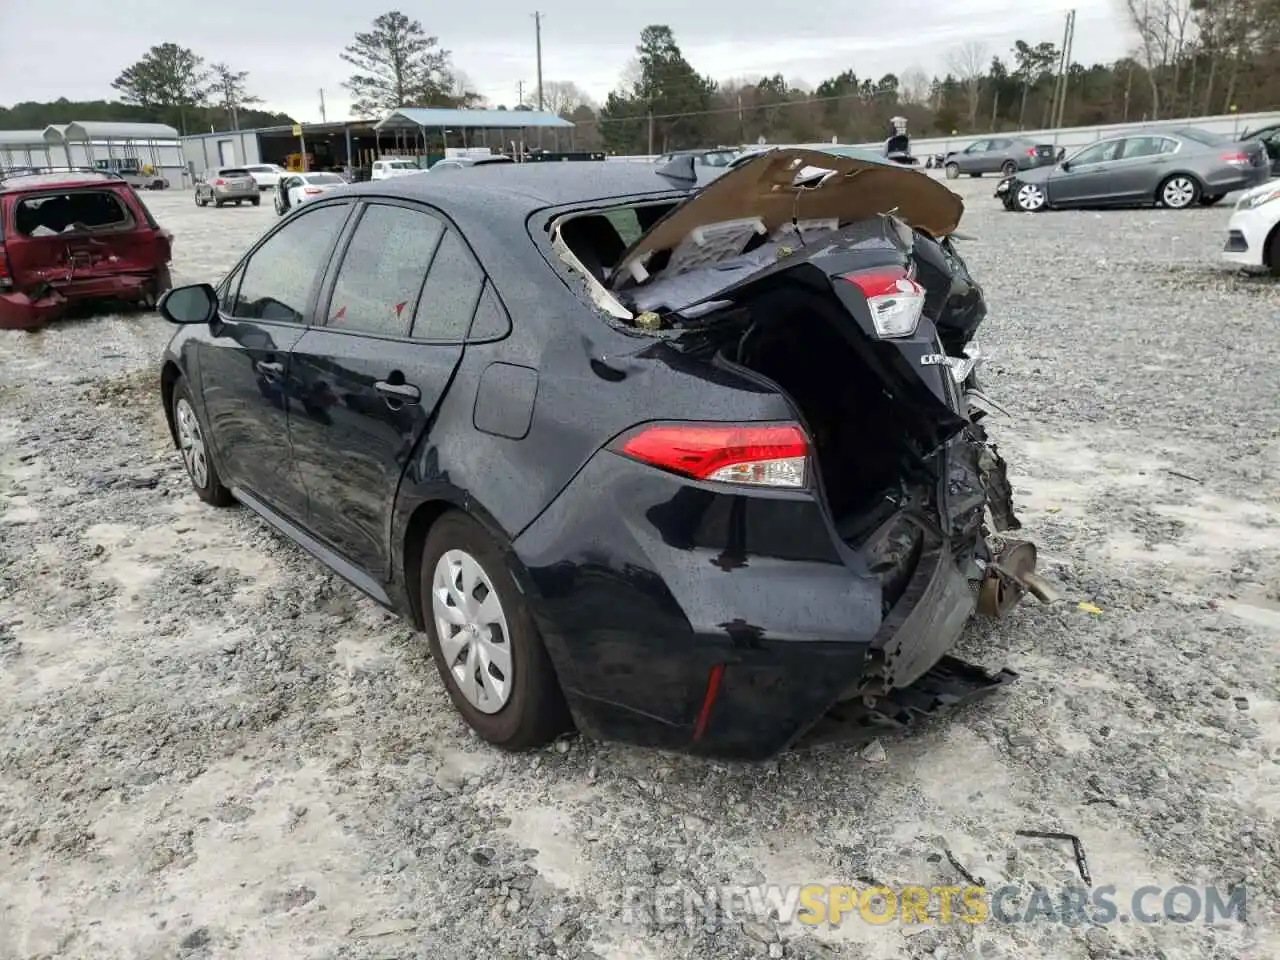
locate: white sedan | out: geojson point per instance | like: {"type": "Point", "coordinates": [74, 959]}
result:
{"type": "Point", "coordinates": [266, 175]}
{"type": "Point", "coordinates": [296, 189]}
{"type": "Point", "coordinates": [1253, 233]}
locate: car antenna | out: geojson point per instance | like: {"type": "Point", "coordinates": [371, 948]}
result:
{"type": "Point", "coordinates": [680, 171]}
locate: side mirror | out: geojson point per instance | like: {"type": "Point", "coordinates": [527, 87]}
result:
{"type": "Point", "coordinates": [197, 303]}
{"type": "Point", "coordinates": [1066, 165]}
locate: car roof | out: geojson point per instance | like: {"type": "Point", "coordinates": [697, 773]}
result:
{"type": "Point", "coordinates": [43, 181]}
{"type": "Point", "coordinates": [521, 188]}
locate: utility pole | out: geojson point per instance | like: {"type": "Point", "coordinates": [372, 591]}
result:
{"type": "Point", "coordinates": [324, 117]}
{"type": "Point", "coordinates": [537, 32]}
{"type": "Point", "coordinates": [1068, 42]}
{"type": "Point", "coordinates": [520, 91]}
{"type": "Point", "coordinates": [1061, 72]}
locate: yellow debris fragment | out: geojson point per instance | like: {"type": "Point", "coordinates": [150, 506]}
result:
{"type": "Point", "coordinates": [1088, 607]}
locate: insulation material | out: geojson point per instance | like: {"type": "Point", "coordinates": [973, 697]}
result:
{"type": "Point", "coordinates": [806, 229]}
{"type": "Point", "coordinates": [713, 243]}
{"type": "Point", "coordinates": [673, 291]}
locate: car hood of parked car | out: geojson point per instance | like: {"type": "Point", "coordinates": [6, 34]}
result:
{"type": "Point", "coordinates": [777, 186]}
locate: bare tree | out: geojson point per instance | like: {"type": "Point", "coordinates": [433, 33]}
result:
{"type": "Point", "coordinates": [462, 90]}
{"type": "Point", "coordinates": [562, 97]}
{"type": "Point", "coordinates": [969, 64]}
{"type": "Point", "coordinates": [632, 74]}
{"type": "Point", "coordinates": [1166, 31]}
{"type": "Point", "coordinates": [914, 86]}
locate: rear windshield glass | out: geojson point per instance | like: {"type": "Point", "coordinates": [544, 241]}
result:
{"type": "Point", "coordinates": [402, 165]}
{"type": "Point", "coordinates": [79, 212]}
{"type": "Point", "coordinates": [1202, 136]}
{"type": "Point", "coordinates": [325, 178]}
{"type": "Point", "coordinates": [234, 172]}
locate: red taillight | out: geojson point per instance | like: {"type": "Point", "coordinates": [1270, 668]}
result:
{"type": "Point", "coordinates": [773, 455]}
{"type": "Point", "coordinates": [708, 700]}
{"type": "Point", "coordinates": [1031, 151]}
{"type": "Point", "coordinates": [1236, 159]}
{"type": "Point", "coordinates": [895, 299]}
{"type": "Point", "coordinates": [219, 183]}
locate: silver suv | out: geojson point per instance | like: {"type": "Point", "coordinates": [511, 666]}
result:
{"type": "Point", "coordinates": [226, 185]}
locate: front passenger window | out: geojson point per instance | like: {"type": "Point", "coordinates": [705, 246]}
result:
{"type": "Point", "coordinates": [282, 273]}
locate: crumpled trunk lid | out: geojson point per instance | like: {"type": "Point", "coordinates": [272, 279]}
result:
{"type": "Point", "coordinates": [776, 187]}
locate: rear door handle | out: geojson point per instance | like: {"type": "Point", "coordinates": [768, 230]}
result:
{"type": "Point", "coordinates": [398, 392]}
{"type": "Point", "coordinates": [271, 369]}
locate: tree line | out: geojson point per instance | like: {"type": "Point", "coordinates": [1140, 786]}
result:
{"type": "Point", "coordinates": [1190, 58]}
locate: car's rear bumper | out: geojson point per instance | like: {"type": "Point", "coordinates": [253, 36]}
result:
{"type": "Point", "coordinates": [1247, 233]}
{"type": "Point", "coordinates": [1232, 179]}
{"type": "Point", "coordinates": [685, 616]}
{"type": "Point", "coordinates": [19, 311]}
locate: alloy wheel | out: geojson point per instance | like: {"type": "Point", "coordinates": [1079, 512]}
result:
{"type": "Point", "coordinates": [1030, 197]}
{"type": "Point", "coordinates": [472, 628]}
{"type": "Point", "coordinates": [191, 442]}
{"type": "Point", "coordinates": [952, 170]}
{"type": "Point", "coordinates": [1179, 192]}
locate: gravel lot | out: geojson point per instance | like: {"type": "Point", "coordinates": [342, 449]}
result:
{"type": "Point", "coordinates": [211, 747]}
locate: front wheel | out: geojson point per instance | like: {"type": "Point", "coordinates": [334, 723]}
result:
{"type": "Point", "coordinates": [952, 170]}
{"type": "Point", "coordinates": [1029, 198]}
{"type": "Point", "coordinates": [1179, 192]}
{"type": "Point", "coordinates": [483, 639]}
{"type": "Point", "coordinates": [256, 201]}
{"type": "Point", "coordinates": [195, 450]}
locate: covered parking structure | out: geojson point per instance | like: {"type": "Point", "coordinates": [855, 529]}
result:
{"type": "Point", "coordinates": [93, 143]}
{"type": "Point", "coordinates": [431, 132]}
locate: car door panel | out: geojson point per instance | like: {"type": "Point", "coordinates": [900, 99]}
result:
{"type": "Point", "coordinates": [1089, 179]}
{"type": "Point", "coordinates": [246, 378]}
{"type": "Point", "coordinates": [373, 389]}
{"type": "Point", "coordinates": [1139, 170]}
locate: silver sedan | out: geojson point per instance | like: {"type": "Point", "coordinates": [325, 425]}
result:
{"type": "Point", "coordinates": [1176, 168]}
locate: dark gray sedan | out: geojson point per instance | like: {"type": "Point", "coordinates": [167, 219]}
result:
{"type": "Point", "coordinates": [1005, 155]}
{"type": "Point", "coordinates": [1175, 168]}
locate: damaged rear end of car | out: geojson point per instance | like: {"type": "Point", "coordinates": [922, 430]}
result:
{"type": "Point", "coordinates": [74, 238]}
{"type": "Point", "coordinates": [846, 542]}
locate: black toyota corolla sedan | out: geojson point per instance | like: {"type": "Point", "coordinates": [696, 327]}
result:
{"type": "Point", "coordinates": [685, 464]}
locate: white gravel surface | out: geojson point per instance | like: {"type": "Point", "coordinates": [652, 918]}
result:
{"type": "Point", "coordinates": [211, 747]}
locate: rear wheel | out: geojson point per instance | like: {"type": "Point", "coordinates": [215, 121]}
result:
{"type": "Point", "coordinates": [483, 639]}
{"type": "Point", "coordinates": [1009, 168]}
{"type": "Point", "coordinates": [195, 450]}
{"type": "Point", "coordinates": [256, 201]}
{"type": "Point", "coordinates": [218, 203]}
{"type": "Point", "coordinates": [952, 170]}
{"type": "Point", "coordinates": [1179, 192]}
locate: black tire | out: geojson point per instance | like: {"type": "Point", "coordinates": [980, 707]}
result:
{"type": "Point", "coordinates": [256, 201]}
{"type": "Point", "coordinates": [211, 491]}
{"type": "Point", "coordinates": [218, 203]}
{"type": "Point", "coordinates": [535, 712]}
{"type": "Point", "coordinates": [1009, 168]}
{"type": "Point", "coordinates": [1208, 200]}
{"type": "Point", "coordinates": [952, 170]}
{"type": "Point", "coordinates": [1192, 198]}
{"type": "Point", "coordinates": [1271, 252]}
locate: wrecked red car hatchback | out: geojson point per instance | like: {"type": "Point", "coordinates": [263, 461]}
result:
{"type": "Point", "coordinates": [73, 237]}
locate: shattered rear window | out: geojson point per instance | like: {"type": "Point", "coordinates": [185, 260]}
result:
{"type": "Point", "coordinates": [82, 211]}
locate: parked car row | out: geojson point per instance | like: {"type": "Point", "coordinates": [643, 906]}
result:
{"type": "Point", "coordinates": [1178, 167]}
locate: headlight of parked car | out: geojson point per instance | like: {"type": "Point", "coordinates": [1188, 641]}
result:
{"type": "Point", "coordinates": [1251, 200]}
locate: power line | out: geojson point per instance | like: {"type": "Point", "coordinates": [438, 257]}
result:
{"type": "Point", "coordinates": [704, 113]}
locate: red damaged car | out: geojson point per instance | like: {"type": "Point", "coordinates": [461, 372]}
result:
{"type": "Point", "coordinates": [74, 237]}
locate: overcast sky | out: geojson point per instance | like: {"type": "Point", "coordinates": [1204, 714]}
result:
{"type": "Point", "coordinates": [291, 49]}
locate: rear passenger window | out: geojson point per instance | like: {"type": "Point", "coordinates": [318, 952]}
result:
{"type": "Point", "coordinates": [450, 294]}
{"type": "Point", "coordinates": [383, 269]}
{"type": "Point", "coordinates": [491, 319]}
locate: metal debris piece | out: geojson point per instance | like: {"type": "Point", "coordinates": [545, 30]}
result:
{"type": "Point", "coordinates": [973, 880]}
{"type": "Point", "coordinates": [1005, 582]}
{"type": "Point", "coordinates": [1081, 863]}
